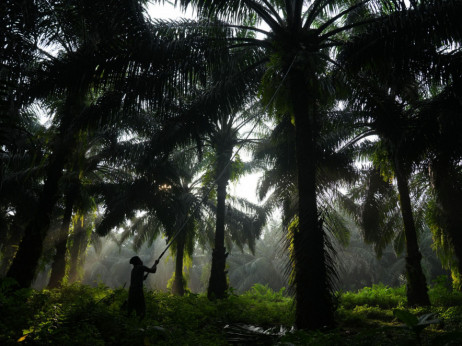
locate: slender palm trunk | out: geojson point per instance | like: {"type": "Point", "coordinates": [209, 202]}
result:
{"type": "Point", "coordinates": [314, 308]}
{"type": "Point", "coordinates": [58, 268]}
{"type": "Point", "coordinates": [218, 283]}
{"type": "Point", "coordinates": [178, 286]}
{"type": "Point", "coordinates": [417, 292]}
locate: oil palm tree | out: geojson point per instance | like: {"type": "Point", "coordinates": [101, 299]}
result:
{"type": "Point", "coordinates": [216, 109]}
{"type": "Point", "coordinates": [296, 53]}
{"type": "Point", "coordinates": [223, 140]}
{"type": "Point", "coordinates": [389, 114]}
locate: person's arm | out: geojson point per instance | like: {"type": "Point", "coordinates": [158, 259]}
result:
{"type": "Point", "coordinates": [150, 270]}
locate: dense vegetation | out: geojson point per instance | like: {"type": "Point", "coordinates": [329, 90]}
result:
{"type": "Point", "coordinates": [119, 128]}
{"type": "Point", "coordinates": [76, 315]}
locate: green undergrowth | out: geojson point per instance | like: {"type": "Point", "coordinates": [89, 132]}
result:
{"type": "Point", "coordinates": [83, 315]}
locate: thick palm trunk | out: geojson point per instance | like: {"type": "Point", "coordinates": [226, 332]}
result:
{"type": "Point", "coordinates": [30, 249]}
{"type": "Point", "coordinates": [449, 196]}
{"type": "Point", "coordinates": [218, 284]}
{"type": "Point", "coordinates": [417, 292]}
{"type": "Point", "coordinates": [314, 308]}
{"type": "Point", "coordinates": [58, 268]}
{"type": "Point", "coordinates": [178, 286]}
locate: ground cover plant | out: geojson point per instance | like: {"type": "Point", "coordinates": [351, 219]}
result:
{"type": "Point", "coordinates": [80, 314]}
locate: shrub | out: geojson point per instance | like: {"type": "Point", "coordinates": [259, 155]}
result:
{"type": "Point", "coordinates": [442, 294]}
{"type": "Point", "coordinates": [377, 295]}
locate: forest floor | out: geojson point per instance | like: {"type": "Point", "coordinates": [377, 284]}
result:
{"type": "Point", "coordinates": [83, 315]}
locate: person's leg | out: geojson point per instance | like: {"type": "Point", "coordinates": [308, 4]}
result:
{"type": "Point", "coordinates": [141, 312]}
{"type": "Point", "coordinates": [131, 302]}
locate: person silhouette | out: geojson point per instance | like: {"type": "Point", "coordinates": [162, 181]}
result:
{"type": "Point", "coordinates": [135, 293]}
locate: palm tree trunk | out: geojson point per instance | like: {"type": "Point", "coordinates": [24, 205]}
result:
{"type": "Point", "coordinates": [218, 284]}
{"type": "Point", "coordinates": [314, 307]}
{"type": "Point", "coordinates": [178, 286]}
{"type": "Point", "coordinates": [417, 292]}
{"type": "Point", "coordinates": [58, 268]}
{"type": "Point", "coordinates": [79, 242]}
